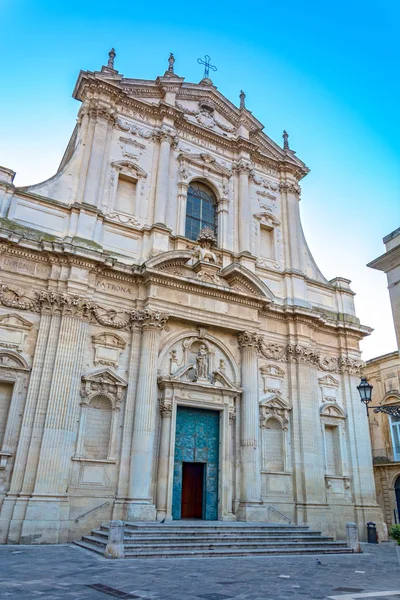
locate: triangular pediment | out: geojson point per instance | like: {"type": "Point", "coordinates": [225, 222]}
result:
{"type": "Point", "coordinates": [105, 377]}
{"type": "Point", "coordinates": [204, 160]}
{"type": "Point", "coordinates": [274, 401]}
{"type": "Point", "coordinates": [15, 321]}
{"type": "Point", "coordinates": [329, 381]}
{"type": "Point", "coordinates": [237, 275]}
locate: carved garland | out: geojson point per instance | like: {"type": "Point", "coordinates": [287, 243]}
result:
{"type": "Point", "coordinates": [45, 302]}
{"type": "Point", "coordinates": [296, 353]}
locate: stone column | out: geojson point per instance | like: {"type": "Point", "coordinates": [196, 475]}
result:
{"type": "Point", "coordinates": [250, 490]}
{"type": "Point", "coordinates": [352, 537]}
{"type": "Point", "coordinates": [47, 514]}
{"type": "Point", "coordinates": [245, 214]}
{"type": "Point", "coordinates": [115, 543]}
{"type": "Point", "coordinates": [141, 506]}
{"type": "Point", "coordinates": [103, 117]}
{"type": "Point", "coordinates": [163, 460]}
{"type": "Point", "coordinates": [162, 188]}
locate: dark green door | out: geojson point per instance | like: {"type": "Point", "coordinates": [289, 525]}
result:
{"type": "Point", "coordinates": [197, 441]}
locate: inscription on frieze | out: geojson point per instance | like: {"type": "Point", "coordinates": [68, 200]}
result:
{"type": "Point", "coordinates": [20, 265]}
{"type": "Point", "coordinates": [115, 287]}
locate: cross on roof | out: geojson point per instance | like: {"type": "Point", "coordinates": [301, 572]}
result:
{"type": "Point", "coordinates": [207, 65]}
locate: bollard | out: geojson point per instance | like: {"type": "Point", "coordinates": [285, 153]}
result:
{"type": "Point", "coordinates": [115, 543]}
{"type": "Point", "coordinates": [352, 537]}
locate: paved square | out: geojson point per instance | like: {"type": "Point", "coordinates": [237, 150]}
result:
{"type": "Point", "coordinates": [70, 573]}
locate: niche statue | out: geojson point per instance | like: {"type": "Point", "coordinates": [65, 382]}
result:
{"type": "Point", "coordinates": [202, 362]}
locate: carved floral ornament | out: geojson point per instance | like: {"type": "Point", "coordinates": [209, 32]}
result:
{"type": "Point", "coordinates": [297, 353]}
{"type": "Point", "coordinates": [274, 407]}
{"type": "Point", "coordinates": [103, 383]}
{"type": "Point", "coordinates": [55, 303]}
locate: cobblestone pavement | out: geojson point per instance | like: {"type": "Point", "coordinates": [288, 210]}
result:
{"type": "Point", "coordinates": [68, 572]}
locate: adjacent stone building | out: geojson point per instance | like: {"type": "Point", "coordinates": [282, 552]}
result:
{"type": "Point", "coordinates": [383, 373]}
{"type": "Point", "coordinates": [168, 346]}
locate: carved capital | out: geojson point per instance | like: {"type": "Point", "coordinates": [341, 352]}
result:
{"type": "Point", "coordinates": [150, 319]}
{"type": "Point", "coordinates": [165, 409]}
{"type": "Point", "coordinates": [63, 304]}
{"type": "Point", "coordinates": [249, 340]}
{"type": "Point", "coordinates": [243, 166]}
{"type": "Point", "coordinates": [290, 188]}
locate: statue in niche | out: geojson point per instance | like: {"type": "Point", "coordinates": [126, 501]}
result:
{"type": "Point", "coordinates": [206, 240]}
{"type": "Point", "coordinates": [202, 362]}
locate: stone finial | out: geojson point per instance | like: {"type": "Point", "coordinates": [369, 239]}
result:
{"type": "Point", "coordinates": [242, 97]}
{"type": "Point", "coordinates": [285, 140]}
{"type": "Point", "coordinates": [206, 235]}
{"type": "Point", "coordinates": [171, 62]}
{"type": "Point", "coordinates": [111, 56]}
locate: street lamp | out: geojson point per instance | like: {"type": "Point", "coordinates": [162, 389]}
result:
{"type": "Point", "coordinates": [365, 391]}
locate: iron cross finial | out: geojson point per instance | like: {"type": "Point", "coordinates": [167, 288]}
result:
{"type": "Point", "coordinates": [207, 65]}
{"type": "Point", "coordinates": [171, 61]}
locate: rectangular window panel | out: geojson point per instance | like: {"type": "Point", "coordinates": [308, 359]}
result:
{"type": "Point", "coordinates": [6, 390]}
{"type": "Point", "coordinates": [267, 246]}
{"type": "Point", "coordinates": [332, 450]}
{"type": "Point", "coordinates": [126, 195]}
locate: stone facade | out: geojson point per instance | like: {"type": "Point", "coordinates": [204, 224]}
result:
{"type": "Point", "coordinates": [389, 263]}
{"type": "Point", "coordinates": [112, 318]}
{"type": "Point", "coordinates": [383, 373]}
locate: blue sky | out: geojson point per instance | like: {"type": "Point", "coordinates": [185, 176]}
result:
{"type": "Point", "coordinates": [326, 72]}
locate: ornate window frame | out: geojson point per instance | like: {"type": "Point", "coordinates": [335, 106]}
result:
{"type": "Point", "coordinates": [132, 171]}
{"type": "Point", "coordinates": [14, 370]}
{"type": "Point", "coordinates": [331, 414]}
{"type": "Point", "coordinates": [102, 382]}
{"type": "Point", "coordinates": [273, 406]}
{"type": "Point", "coordinates": [204, 168]}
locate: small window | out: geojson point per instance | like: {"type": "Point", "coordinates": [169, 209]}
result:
{"type": "Point", "coordinates": [267, 245]}
{"type": "Point", "coordinates": [200, 210]}
{"type": "Point", "coordinates": [126, 195]}
{"type": "Point", "coordinates": [272, 446]}
{"type": "Point", "coordinates": [332, 449]}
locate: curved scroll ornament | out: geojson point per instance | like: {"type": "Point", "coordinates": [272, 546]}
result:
{"type": "Point", "coordinates": [13, 299]}
{"type": "Point", "coordinates": [296, 353]}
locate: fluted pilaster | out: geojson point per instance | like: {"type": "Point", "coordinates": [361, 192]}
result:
{"type": "Point", "coordinates": [163, 460]}
{"type": "Point", "coordinates": [250, 462]}
{"type": "Point", "coordinates": [144, 424]}
{"type": "Point", "coordinates": [62, 410]}
{"type": "Point", "coordinates": [243, 169]}
{"type": "Point", "coordinates": [162, 189]}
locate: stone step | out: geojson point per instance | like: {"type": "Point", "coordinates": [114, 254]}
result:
{"type": "Point", "coordinates": [177, 541]}
{"type": "Point", "coordinates": [168, 538]}
{"type": "Point", "coordinates": [216, 545]}
{"type": "Point", "coordinates": [220, 552]}
{"type": "Point", "coordinates": [237, 553]}
{"type": "Point", "coordinates": [213, 531]}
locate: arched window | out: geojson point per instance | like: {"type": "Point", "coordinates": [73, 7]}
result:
{"type": "Point", "coordinates": [200, 210]}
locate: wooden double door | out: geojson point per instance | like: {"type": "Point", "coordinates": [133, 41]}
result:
{"type": "Point", "coordinates": [192, 490]}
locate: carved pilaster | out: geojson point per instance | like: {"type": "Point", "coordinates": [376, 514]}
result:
{"type": "Point", "coordinates": [249, 340]}
{"type": "Point", "coordinates": [144, 426]}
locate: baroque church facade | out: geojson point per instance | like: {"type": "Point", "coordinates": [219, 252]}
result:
{"type": "Point", "coordinates": [168, 346]}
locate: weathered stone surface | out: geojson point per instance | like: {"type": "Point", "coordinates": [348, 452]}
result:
{"type": "Point", "coordinates": [115, 310]}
